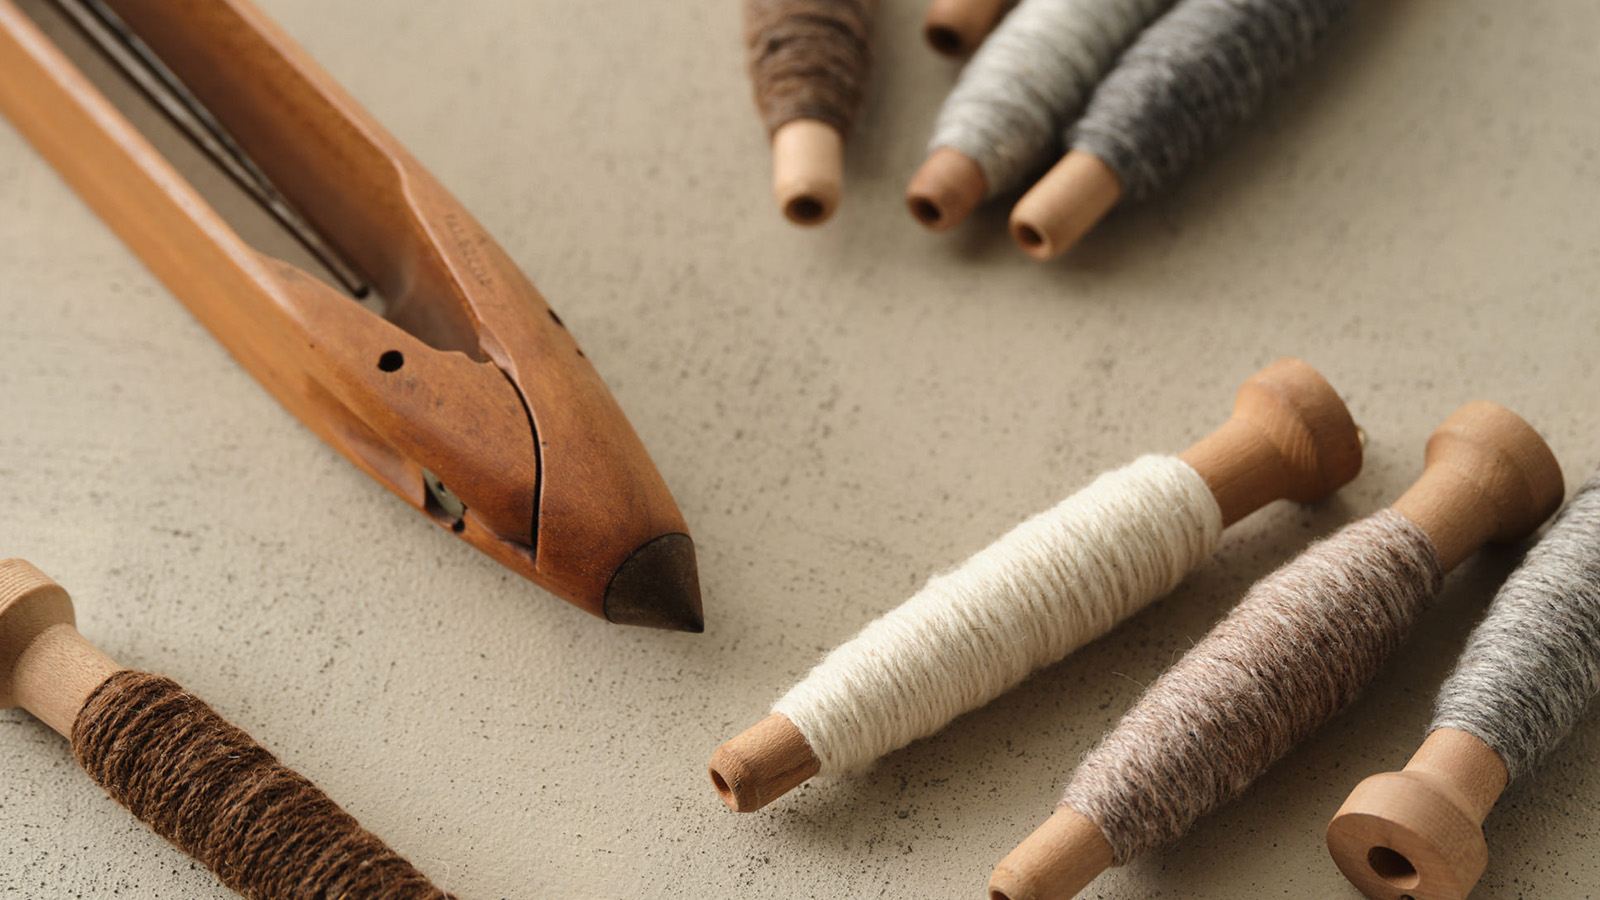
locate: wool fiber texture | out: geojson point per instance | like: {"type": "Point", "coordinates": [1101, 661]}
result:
{"type": "Point", "coordinates": [1533, 663]}
{"type": "Point", "coordinates": [1193, 76]}
{"type": "Point", "coordinates": [1030, 77]}
{"type": "Point", "coordinates": [204, 785]}
{"type": "Point", "coordinates": [1298, 648]}
{"type": "Point", "coordinates": [1054, 583]}
{"type": "Point", "coordinates": [808, 59]}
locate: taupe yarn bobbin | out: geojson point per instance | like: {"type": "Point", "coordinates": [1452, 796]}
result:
{"type": "Point", "coordinates": [808, 59]}
{"type": "Point", "coordinates": [204, 785]}
{"type": "Point", "coordinates": [1298, 648]}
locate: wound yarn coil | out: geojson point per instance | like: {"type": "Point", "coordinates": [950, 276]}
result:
{"type": "Point", "coordinates": [1029, 78]}
{"type": "Point", "coordinates": [808, 59]}
{"type": "Point", "coordinates": [1532, 665]}
{"type": "Point", "coordinates": [1055, 582]}
{"type": "Point", "coordinates": [1190, 78]}
{"type": "Point", "coordinates": [204, 785]}
{"type": "Point", "coordinates": [1297, 649]}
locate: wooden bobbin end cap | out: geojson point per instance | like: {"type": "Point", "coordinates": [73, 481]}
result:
{"type": "Point", "coordinates": [765, 762]}
{"type": "Point", "coordinates": [46, 666]}
{"type": "Point", "coordinates": [1290, 437]}
{"type": "Point", "coordinates": [1403, 835]}
{"type": "Point", "coordinates": [30, 603]}
{"type": "Point", "coordinates": [1417, 833]}
{"type": "Point", "coordinates": [946, 189]}
{"type": "Point", "coordinates": [1489, 476]}
{"type": "Point", "coordinates": [1061, 208]}
{"type": "Point", "coordinates": [807, 170]}
{"type": "Point", "coordinates": [1057, 861]}
{"type": "Point", "coordinates": [957, 27]}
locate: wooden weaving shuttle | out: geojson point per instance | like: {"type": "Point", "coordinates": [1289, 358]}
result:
{"type": "Point", "coordinates": [467, 397]}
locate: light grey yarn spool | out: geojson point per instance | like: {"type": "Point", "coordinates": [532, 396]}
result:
{"type": "Point", "coordinates": [1533, 663]}
{"type": "Point", "coordinates": [1029, 78]}
{"type": "Point", "coordinates": [1190, 78]}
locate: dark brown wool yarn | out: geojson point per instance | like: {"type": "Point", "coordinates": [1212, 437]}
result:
{"type": "Point", "coordinates": [204, 785]}
{"type": "Point", "coordinates": [808, 59]}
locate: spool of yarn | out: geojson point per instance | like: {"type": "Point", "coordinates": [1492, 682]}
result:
{"type": "Point", "coordinates": [197, 781]}
{"type": "Point", "coordinates": [957, 27]}
{"type": "Point", "coordinates": [1054, 583]}
{"type": "Point", "coordinates": [808, 61]}
{"type": "Point", "coordinates": [1527, 673]}
{"type": "Point", "coordinates": [1298, 648]}
{"type": "Point", "coordinates": [1190, 79]}
{"type": "Point", "coordinates": [1002, 122]}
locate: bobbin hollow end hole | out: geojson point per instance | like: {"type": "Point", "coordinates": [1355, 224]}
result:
{"type": "Point", "coordinates": [926, 211]}
{"type": "Point", "coordinates": [1393, 867]}
{"type": "Point", "coordinates": [1028, 236]}
{"type": "Point", "coordinates": [947, 41]}
{"type": "Point", "coordinates": [721, 784]}
{"type": "Point", "coordinates": [806, 210]}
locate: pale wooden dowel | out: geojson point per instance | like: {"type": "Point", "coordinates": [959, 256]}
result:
{"type": "Point", "coordinates": [807, 170]}
{"type": "Point", "coordinates": [1058, 860]}
{"type": "Point", "coordinates": [1061, 208]}
{"type": "Point", "coordinates": [946, 189]}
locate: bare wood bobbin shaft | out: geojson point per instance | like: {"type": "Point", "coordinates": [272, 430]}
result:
{"type": "Point", "coordinates": [1060, 209]}
{"type": "Point", "coordinates": [807, 170]}
{"type": "Point", "coordinates": [945, 189]}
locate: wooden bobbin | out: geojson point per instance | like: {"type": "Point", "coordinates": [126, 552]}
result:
{"type": "Point", "coordinates": [807, 170]}
{"type": "Point", "coordinates": [1417, 834]}
{"type": "Point", "coordinates": [1488, 477]}
{"type": "Point", "coordinates": [957, 27]}
{"type": "Point", "coordinates": [1060, 209]}
{"type": "Point", "coordinates": [946, 189]}
{"type": "Point", "coordinates": [1290, 437]}
{"type": "Point", "coordinates": [46, 666]}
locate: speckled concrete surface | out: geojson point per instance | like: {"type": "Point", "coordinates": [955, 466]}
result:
{"type": "Point", "coordinates": [840, 412]}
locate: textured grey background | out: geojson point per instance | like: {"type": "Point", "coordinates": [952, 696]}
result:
{"type": "Point", "coordinates": [840, 412]}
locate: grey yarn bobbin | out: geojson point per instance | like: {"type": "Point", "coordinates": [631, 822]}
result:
{"type": "Point", "coordinates": [1533, 663]}
{"type": "Point", "coordinates": [1030, 77]}
{"type": "Point", "coordinates": [1191, 77]}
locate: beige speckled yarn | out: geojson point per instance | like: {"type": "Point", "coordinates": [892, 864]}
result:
{"type": "Point", "coordinates": [1300, 646]}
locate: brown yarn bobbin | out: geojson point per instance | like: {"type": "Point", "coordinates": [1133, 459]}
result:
{"type": "Point", "coordinates": [808, 59]}
{"type": "Point", "coordinates": [204, 785]}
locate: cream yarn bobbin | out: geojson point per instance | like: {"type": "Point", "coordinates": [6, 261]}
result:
{"type": "Point", "coordinates": [1290, 437]}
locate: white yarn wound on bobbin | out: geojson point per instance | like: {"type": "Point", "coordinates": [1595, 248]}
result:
{"type": "Point", "coordinates": [1031, 77]}
{"type": "Point", "coordinates": [1051, 585]}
